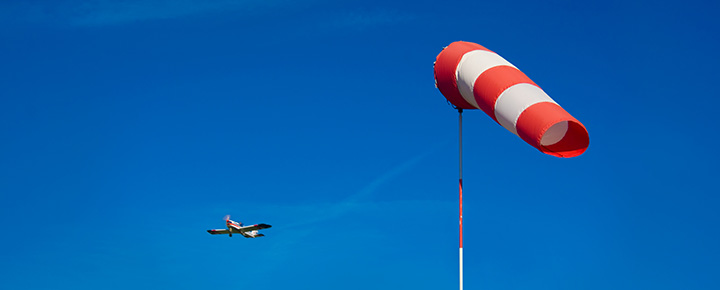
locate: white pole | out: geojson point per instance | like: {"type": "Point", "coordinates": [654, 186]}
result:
{"type": "Point", "coordinates": [461, 203]}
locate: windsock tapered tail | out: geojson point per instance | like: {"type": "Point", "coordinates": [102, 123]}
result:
{"type": "Point", "coordinates": [471, 76]}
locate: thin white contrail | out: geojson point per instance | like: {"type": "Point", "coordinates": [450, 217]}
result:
{"type": "Point", "coordinates": [309, 216]}
{"type": "Point", "coordinates": [352, 202]}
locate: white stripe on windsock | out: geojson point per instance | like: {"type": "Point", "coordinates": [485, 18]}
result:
{"type": "Point", "coordinates": [471, 66]}
{"type": "Point", "coordinates": [514, 100]}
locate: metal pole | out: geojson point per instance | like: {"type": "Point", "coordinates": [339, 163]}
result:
{"type": "Point", "coordinates": [461, 203]}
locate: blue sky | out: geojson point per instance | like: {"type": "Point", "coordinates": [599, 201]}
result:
{"type": "Point", "coordinates": [128, 128]}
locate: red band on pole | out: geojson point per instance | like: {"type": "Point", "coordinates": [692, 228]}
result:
{"type": "Point", "coordinates": [461, 216]}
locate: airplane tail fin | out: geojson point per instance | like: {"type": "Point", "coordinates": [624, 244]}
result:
{"type": "Point", "coordinates": [255, 234]}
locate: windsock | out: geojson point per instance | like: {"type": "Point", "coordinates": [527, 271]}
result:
{"type": "Point", "coordinates": [471, 76]}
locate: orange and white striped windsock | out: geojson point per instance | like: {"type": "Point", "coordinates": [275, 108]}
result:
{"type": "Point", "coordinates": [471, 76]}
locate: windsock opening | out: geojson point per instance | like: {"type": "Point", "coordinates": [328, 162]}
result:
{"type": "Point", "coordinates": [554, 134]}
{"type": "Point", "coordinates": [552, 130]}
{"type": "Point", "coordinates": [573, 142]}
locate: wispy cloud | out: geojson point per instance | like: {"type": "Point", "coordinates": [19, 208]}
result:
{"type": "Point", "coordinates": [357, 200]}
{"type": "Point", "coordinates": [360, 20]}
{"type": "Point", "coordinates": [90, 13]}
{"type": "Point", "coordinates": [115, 12]}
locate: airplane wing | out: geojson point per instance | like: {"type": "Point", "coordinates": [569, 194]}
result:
{"type": "Point", "coordinates": [254, 227]}
{"type": "Point", "coordinates": [219, 232]}
{"type": "Point", "coordinates": [251, 236]}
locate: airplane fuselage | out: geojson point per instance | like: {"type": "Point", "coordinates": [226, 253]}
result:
{"type": "Point", "coordinates": [234, 227]}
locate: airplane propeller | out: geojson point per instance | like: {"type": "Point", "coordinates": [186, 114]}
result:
{"type": "Point", "coordinates": [227, 218]}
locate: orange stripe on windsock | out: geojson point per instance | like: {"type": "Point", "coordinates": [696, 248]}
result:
{"type": "Point", "coordinates": [494, 82]}
{"type": "Point", "coordinates": [445, 65]}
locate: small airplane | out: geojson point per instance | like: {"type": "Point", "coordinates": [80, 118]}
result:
{"type": "Point", "coordinates": [238, 228]}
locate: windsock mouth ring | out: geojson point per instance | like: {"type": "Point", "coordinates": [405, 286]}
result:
{"type": "Point", "coordinates": [567, 138]}
{"type": "Point", "coordinates": [552, 130]}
